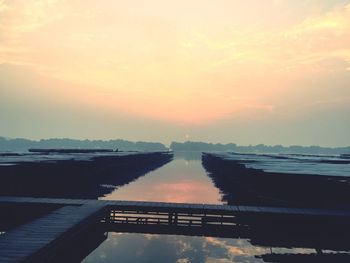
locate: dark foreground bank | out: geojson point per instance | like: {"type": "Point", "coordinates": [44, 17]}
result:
{"type": "Point", "coordinates": [287, 181]}
{"type": "Point", "coordinates": [74, 175]}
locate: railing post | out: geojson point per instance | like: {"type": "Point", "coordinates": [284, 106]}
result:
{"type": "Point", "coordinates": [204, 222]}
{"type": "Point", "coordinates": [170, 218]}
{"type": "Point", "coordinates": [175, 218]}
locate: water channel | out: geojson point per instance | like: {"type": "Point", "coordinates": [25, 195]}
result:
{"type": "Point", "coordinates": [182, 180]}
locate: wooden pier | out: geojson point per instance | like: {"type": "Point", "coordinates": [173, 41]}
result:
{"type": "Point", "coordinates": [43, 238]}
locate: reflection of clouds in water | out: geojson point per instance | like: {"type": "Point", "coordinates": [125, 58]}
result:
{"type": "Point", "coordinates": [174, 182]}
{"type": "Point", "coordinates": [184, 191]}
{"type": "Point", "coordinates": [216, 260]}
{"type": "Point", "coordinates": [238, 250]}
{"type": "Point", "coordinates": [177, 249]}
{"type": "Point", "coordinates": [222, 243]}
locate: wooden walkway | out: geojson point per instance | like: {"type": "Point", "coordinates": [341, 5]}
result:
{"type": "Point", "coordinates": [35, 241]}
{"type": "Point", "coordinates": [186, 207]}
{"type": "Point", "coordinates": [38, 240]}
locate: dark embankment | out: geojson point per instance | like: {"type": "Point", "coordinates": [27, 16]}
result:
{"type": "Point", "coordinates": [70, 150]}
{"type": "Point", "coordinates": [248, 186]}
{"type": "Point", "coordinates": [307, 258]}
{"type": "Point", "coordinates": [75, 176]}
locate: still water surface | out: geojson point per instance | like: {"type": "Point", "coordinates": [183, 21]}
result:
{"type": "Point", "coordinates": [182, 180]}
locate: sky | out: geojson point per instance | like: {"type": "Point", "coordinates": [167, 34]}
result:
{"type": "Point", "coordinates": [247, 72]}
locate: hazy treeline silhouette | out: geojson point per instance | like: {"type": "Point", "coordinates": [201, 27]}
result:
{"type": "Point", "coordinates": [260, 148]}
{"type": "Point", "coordinates": [20, 144]}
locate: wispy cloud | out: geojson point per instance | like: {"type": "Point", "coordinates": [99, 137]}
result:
{"type": "Point", "coordinates": [221, 62]}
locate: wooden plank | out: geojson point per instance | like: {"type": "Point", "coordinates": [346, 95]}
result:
{"type": "Point", "coordinates": [209, 207]}
{"type": "Point", "coordinates": [252, 209]}
{"type": "Point", "coordinates": [206, 208]}
{"type": "Point", "coordinates": [232, 208]}
{"type": "Point", "coordinates": [22, 242]}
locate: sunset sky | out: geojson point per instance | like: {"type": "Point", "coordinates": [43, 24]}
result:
{"type": "Point", "coordinates": [249, 72]}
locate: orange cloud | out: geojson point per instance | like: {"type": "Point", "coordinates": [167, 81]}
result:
{"type": "Point", "coordinates": [167, 64]}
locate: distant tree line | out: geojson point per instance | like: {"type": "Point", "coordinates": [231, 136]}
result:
{"type": "Point", "coordinates": [260, 148]}
{"type": "Point", "coordinates": [20, 144]}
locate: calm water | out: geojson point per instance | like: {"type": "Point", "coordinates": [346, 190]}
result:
{"type": "Point", "coordinates": [182, 180]}
{"type": "Point", "coordinates": [120, 247]}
